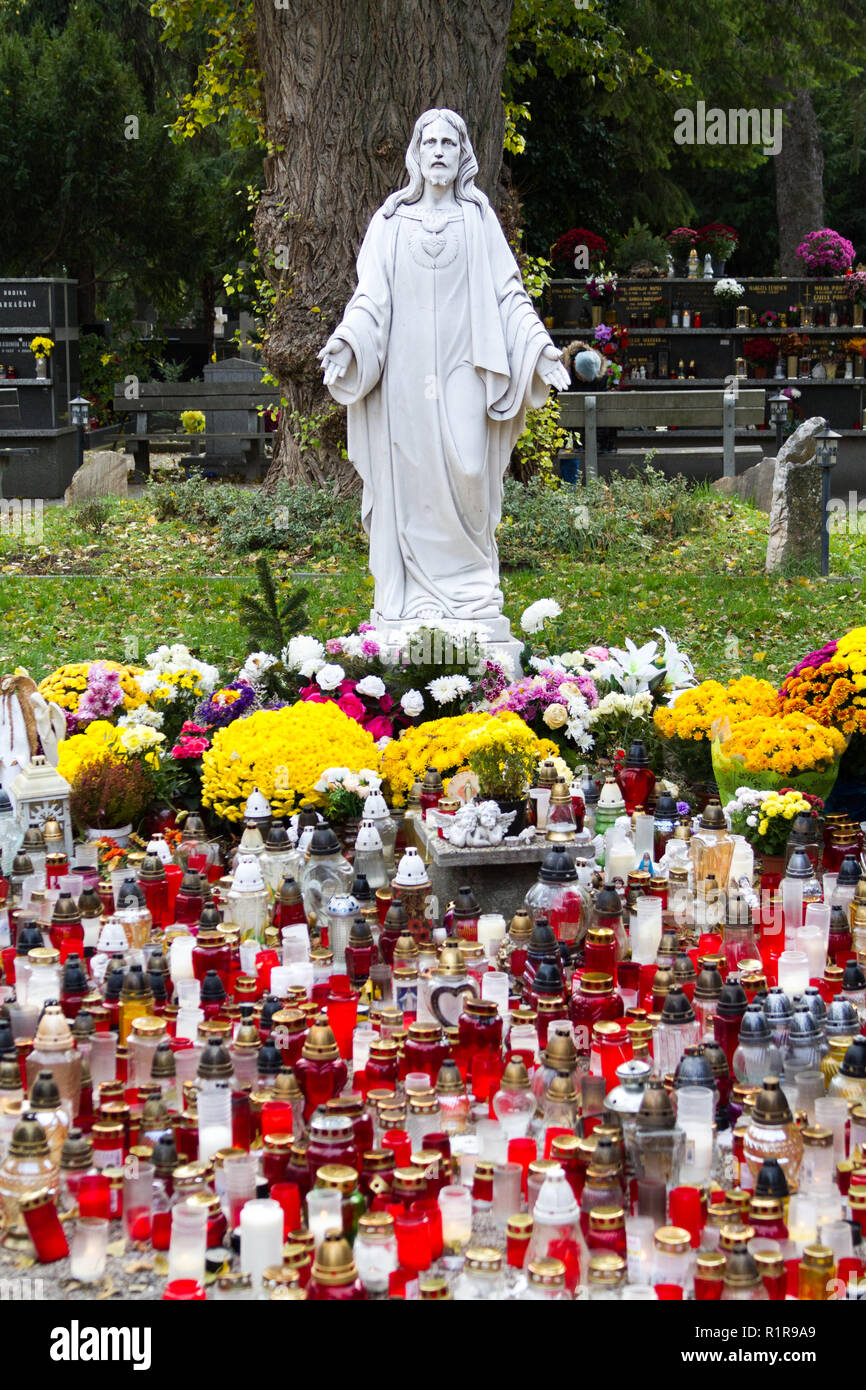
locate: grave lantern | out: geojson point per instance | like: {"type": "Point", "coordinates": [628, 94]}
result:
{"type": "Point", "coordinates": [778, 415]}
{"type": "Point", "coordinates": [40, 794]}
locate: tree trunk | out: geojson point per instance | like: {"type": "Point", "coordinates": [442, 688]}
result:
{"type": "Point", "coordinates": [207, 289]}
{"type": "Point", "coordinates": [343, 84]}
{"type": "Point", "coordinates": [799, 180]}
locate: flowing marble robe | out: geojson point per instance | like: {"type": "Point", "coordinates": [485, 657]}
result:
{"type": "Point", "coordinates": [446, 348]}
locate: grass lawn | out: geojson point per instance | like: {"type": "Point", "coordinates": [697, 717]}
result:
{"type": "Point", "coordinates": [77, 596]}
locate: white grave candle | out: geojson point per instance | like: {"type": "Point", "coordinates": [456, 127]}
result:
{"type": "Point", "coordinates": [261, 1237]}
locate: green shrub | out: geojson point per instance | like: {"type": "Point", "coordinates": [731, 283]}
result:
{"type": "Point", "coordinates": [93, 515]}
{"type": "Point", "coordinates": [294, 518]}
{"type": "Point", "coordinates": [632, 514]}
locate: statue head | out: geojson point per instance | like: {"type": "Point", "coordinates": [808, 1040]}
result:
{"type": "Point", "coordinates": [440, 150]}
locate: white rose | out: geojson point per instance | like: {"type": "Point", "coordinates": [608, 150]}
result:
{"type": "Point", "coordinates": [372, 686]}
{"type": "Point", "coordinates": [412, 703]}
{"type": "Point", "coordinates": [329, 677]}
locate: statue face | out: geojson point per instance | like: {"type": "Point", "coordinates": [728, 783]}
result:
{"type": "Point", "coordinates": [440, 153]}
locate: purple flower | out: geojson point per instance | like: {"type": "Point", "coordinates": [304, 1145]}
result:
{"type": "Point", "coordinates": [603, 333]}
{"type": "Point", "coordinates": [226, 704]}
{"type": "Point", "coordinates": [102, 695]}
{"type": "Point", "coordinates": [366, 627]}
{"type": "Point", "coordinates": [683, 808]}
{"type": "Point", "coordinates": [334, 646]}
{"type": "Point", "coordinates": [814, 659]}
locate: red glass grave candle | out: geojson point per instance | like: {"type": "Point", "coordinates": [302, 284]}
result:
{"type": "Point", "coordinates": [414, 1244]}
{"type": "Point", "coordinates": [40, 1214]}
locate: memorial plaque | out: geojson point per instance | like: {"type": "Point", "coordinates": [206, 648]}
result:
{"type": "Point", "coordinates": [25, 304]}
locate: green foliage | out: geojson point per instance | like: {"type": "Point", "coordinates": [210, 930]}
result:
{"type": "Point", "coordinates": [301, 520]}
{"type": "Point", "coordinates": [269, 618]}
{"type": "Point", "coordinates": [540, 442]}
{"type": "Point", "coordinates": [639, 244]}
{"type": "Point", "coordinates": [103, 367]}
{"type": "Point", "coordinates": [632, 515]}
{"type": "Point", "coordinates": [227, 86]}
{"type": "Point", "coordinates": [93, 515]}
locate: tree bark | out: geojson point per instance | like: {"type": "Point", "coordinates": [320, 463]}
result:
{"type": "Point", "coordinates": [343, 85]}
{"type": "Point", "coordinates": [799, 180]}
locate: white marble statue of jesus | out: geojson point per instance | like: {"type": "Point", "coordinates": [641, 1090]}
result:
{"type": "Point", "coordinates": [438, 356]}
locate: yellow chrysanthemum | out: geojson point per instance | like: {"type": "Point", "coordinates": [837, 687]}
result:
{"type": "Point", "coordinates": [283, 753]}
{"type": "Point", "coordinates": [65, 685]}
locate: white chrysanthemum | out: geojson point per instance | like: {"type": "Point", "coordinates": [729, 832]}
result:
{"type": "Point", "coordinates": [373, 686]}
{"type": "Point", "coordinates": [579, 735]}
{"type": "Point", "coordinates": [412, 703]}
{"type": "Point", "coordinates": [536, 615]}
{"type": "Point", "coordinates": [352, 645]}
{"type": "Point", "coordinates": [142, 716]}
{"type": "Point", "coordinates": [309, 668]}
{"type": "Point", "coordinates": [329, 677]}
{"type": "Point", "coordinates": [255, 666]}
{"type": "Point", "coordinates": [300, 650]}
{"type": "Point", "coordinates": [543, 664]}
{"type": "Point", "coordinates": [445, 689]}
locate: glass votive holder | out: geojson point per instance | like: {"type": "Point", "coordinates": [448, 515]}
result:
{"type": "Point", "coordinates": [455, 1204]}
{"type": "Point", "coordinates": [429, 1207]}
{"type": "Point", "coordinates": [831, 1112]}
{"type": "Point", "coordinates": [414, 1244]}
{"type": "Point", "coordinates": [186, 1251]}
{"type": "Point", "coordinates": [794, 972]}
{"type": "Point", "coordinates": [638, 1293]}
{"type": "Point", "coordinates": [88, 1249]}
{"type": "Point", "coordinates": [138, 1179]}
{"type": "Point", "coordinates": [184, 1291]}
{"type": "Point", "coordinates": [493, 1141]}
{"type": "Point", "coordinates": [522, 1152]}
{"type": "Point", "coordinates": [810, 1087]}
{"type": "Point", "coordinates": [639, 1232]}
{"type": "Point", "coordinates": [507, 1197]}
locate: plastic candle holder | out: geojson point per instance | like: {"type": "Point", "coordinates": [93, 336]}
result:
{"type": "Point", "coordinates": [342, 1011]}
{"type": "Point", "coordinates": [288, 1195]}
{"type": "Point", "coordinates": [524, 1152]}
{"type": "Point", "coordinates": [88, 1252]}
{"type": "Point", "coordinates": [184, 1291]}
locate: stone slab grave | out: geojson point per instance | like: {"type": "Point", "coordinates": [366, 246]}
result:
{"type": "Point", "coordinates": [219, 423]}
{"type": "Point", "coordinates": [500, 876]}
{"type": "Point", "coordinates": [104, 473]}
{"type": "Point", "coordinates": [796, 516]}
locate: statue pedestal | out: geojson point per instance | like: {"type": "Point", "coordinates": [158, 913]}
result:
{"type": "Point", "coordinates": [493, 640]}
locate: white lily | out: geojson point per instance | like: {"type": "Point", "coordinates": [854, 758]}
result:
{"type": "Point", "coordinates": [679, 671]}
{"type": "Point", "coordinates": [632, 668]}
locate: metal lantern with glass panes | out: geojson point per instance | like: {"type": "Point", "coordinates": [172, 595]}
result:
{"type": "Point", "coordinates": [779, 405]}
{"type": "Point", "coordinates": [40, 794]}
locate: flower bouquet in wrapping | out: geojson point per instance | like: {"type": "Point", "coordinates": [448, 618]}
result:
{"type": "Point", "coordinates": [772, 752]}
{"type": "Point", "coordinates": [686, 723]}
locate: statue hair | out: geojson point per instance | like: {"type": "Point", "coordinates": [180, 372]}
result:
{"type": "Point", "coordinates": [464, 184]}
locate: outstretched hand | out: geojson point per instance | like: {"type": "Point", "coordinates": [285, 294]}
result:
{"type": "Point", "coordinates": [335, 358]}
{"type": "Point", "coordinates": [552, 370]}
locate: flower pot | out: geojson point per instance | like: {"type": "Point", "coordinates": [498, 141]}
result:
{"type": "Point", "coordinates": [719, 269]}
{"type": "Point", "coordinates": [120, 834]}
{"type": "Point", "coordinates": [518, 805]}
{"type": "Point", "coordinates": [857, 321]}
{"type": "Point", "coordinates": [610, 317]}
{"type": "Point", "coordinates": [760, 371]}
{"type": "Point", "coordinates": [859, 367]}
{"type": "Point", "coordinates": [681, 268]}
{"type": "Point", "coordinates": [597, 313]}
{"type": "Point", "coordinates": [660, 321]}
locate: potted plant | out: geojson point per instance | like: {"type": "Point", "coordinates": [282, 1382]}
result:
{"type": "Point", "coordinates": [769, 319]}
{"type": "Point", "coordinates": [640, 249]}
{"type": "Point", "coordinates": [601, 292]}
{"type": "Point", "coordinates": [680, 242]}
{"type": "Point", "coordinates": [764, 818]}
{"type": "Point", "coordinates": [578, 250]}
{"type": "Point", "coordinates": [728, 294]}
{"type": "Point", "coordinates": [109, 797]}
{"type": "Point", "coordinates": [193, 423]}
{"type": "Point", "coordinates": [41, 349]}
{"type": "Point", "coordinates": [825, 252]}
{"type": "Point", "coordinates": [857, 294]}
{"type": "Point", "coordinates": [719, 241]}
{"type": "Point", "coordinates": [761, 352]}
{"type": "Point", "coordinates": [504, 757]}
